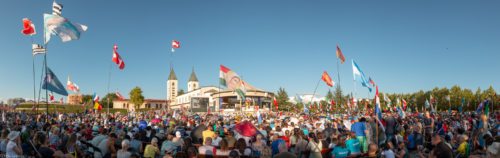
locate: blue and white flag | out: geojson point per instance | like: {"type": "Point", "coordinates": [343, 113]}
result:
{"type": "Point", "coordinates": [62, 27]}
{"type": "Point", "coordinates": [53, 84]}
{"type": "Point", "coordinates": [356, 71]}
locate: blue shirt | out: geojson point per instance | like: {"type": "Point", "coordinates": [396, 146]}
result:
{"type": "Point", "coordinates": [359, 128]}
{"type": "Point", "coordinates": [340, 152]}
{"type": "Point", "coordinates": [275, 146]}
{"type": "Point", "coordinates": [353, 146]}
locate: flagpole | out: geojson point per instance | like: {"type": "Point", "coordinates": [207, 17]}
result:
{"type": "Point", "coordinates": [314, 93]}
{"type": "Point", "coordinates": [338, 76]}
{"type": "Point", "coordinates": [109, 81]}
{"type": "Point", "coordinates": [35, 103]}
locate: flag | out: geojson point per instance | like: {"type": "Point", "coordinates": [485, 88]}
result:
{"type": "Point", "coordinates": [340, 55]}
{"type": "Point", "coordinates": [487, 108]}
{"type": "Point", "coordinates": [119, 96]}
{"type": "Point", "coordinates": [275, 103]}
{"type": "Point", "coordinates": [232, 81]}
{"type": "Point", "coordinates": [259, 117]}
{"type": "Point", "coordinates": [386, 99]}
{"type": "Point", "coordinates": [175, 45]}
{"type": "Point", "coordinates": [95, 97]}
{"type": "Point", "coordinates": [97, 106]}
{"type": "Point", "coordinates": [378, 110]}
{"type": "Point", "coordinates": [427, 104]}
{"type": "Point", "coordinates": [51, 96]}
{"type": "Point", "coordinates": [328, 80]}
{"type": "Point", "coordinates": [28, 27]}
{"type": "Point", "coordinates": [37, 49]}
{"type": "Point", "coordinates": [117, 59]}
{"type": "Point", "coordinates": [480, 107]}
{"type": "Point", "coordinates": [404, 104]}
{"type": "Point", "coordinates": [371, 81]}
{"type": "Point", "coordinates": [72, 86]}
{"type": "Point", "coordinates": [57, 8]}
{"type": "Point", "coordinates": [401, 112]}
{"type": "Point", "coordinates": [62, 27]}
{"type": "Point", "coordinates": [53, 84]}
{"type": "Point", "coordinates": [357, 72]}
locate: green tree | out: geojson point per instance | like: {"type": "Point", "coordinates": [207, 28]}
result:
{"type": "Point", "coordinates": [136, 97]}
{"type": "Point", "coordinates": [111, 97]}
{"type": "Point", "coordinates": [181, 92]}
{"type": "Point", "coordinates": [339, 97]}
{"type": "Point", "coordinates": [282, 98]}
{"type": "Point", "coordinates": [87, 98]}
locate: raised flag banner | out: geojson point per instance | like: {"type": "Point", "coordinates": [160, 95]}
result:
{"type": "Point", "coordinates": [72, 86]}
{"type": "Point", "coordinates": [37, 49]}
{"type": "Point", "coordinates": [371, 81]}
{"type": "Point", "coordinates": [117, 59]}
{"type": "Point", "coordinates": [328, 80]}
{"type": "Point", "coordinates": [53, 84]}
{"type": "Point", "coordinates": [378, 110]}
{"type": "Point", "coordinates": [175, 45]}
{"type": "Point", "coordinates": [275, 103]}
{"type": "Point", "coordinates": [119, 96]}
{"type": "Point", "coordinates": [340, 55]}
{"type": "Point", "coordinates": [62, 27]}
{"type": "Point", "coordinates": [28, 27]}
{"type": "Point", "coordinates": [233, 82]}
{"type": "Point", "coordinates": [51, 96]}
{"type": "Point", "coordinates": [97, 106]}
{"type": "Point", "coordinates": [57, 8]}
{"type": "Point", "coordinates": [404, 104]}
{"type": "Point", "coordinates": [357, 72]}
{"type": "Point", "coordinates": [95, 98]}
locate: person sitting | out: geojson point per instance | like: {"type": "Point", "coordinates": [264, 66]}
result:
{"type": "Point", "coordinates": [207, 149]}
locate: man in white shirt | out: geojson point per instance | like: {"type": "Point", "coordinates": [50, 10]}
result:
{"type": "Point", "coordinates": [207, 149]}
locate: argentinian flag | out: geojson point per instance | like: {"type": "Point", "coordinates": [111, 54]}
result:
{"type": "Point", "coordinates": [356, 71]}
{"type": "Point", "coordinates": [62, 27]}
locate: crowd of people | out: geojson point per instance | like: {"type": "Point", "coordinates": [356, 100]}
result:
{"type": "Point", "coordinates": [159, 134]}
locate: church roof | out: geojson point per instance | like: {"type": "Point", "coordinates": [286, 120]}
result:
{"type": "Point", "coordinates": [193, 77]}
{"type": "Point", "coordinates": [172, 75]}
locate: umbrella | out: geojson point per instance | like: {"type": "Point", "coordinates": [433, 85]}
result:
{"type": "Point", "coordinates": [156, 120]}
{"type": "Point", "coordinates": [246, 128]}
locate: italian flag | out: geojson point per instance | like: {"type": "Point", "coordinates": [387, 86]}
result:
{"type": "Point", "coordinates": [222, 75]}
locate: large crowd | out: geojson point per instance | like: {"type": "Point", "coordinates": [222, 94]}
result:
{"type": "Point", "coordinates": [159, 134]}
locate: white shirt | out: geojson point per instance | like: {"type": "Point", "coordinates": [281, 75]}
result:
{"type": "Point", "coordinates": [123, 154]}
{"type": "Point", "coordinates": [388, 154]}
{"type": "Point", "coordinates": [206, 150]}
{"type": "Point", "coordinates": [216, 141]}
{"type": "Point", "coordinates": [10, 150]}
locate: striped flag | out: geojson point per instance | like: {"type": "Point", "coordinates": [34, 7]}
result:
{"type": "Point", "coordinates": [175, 44]}
{"type": "Point", "coordinates": [328, 80]}
{"type": "Point", "coordinates": [119, 96]}
{"type": "Point", "coordinates": [72, 86]}
{"type": "Point", "coordinates": [340, 55]}
{"type": "Point", "coordinates": [57, 8]}
{"type": "Point", "coordinates": [117, 59]}
{"type": "Point", "coordinates": [62, 27]}
{"type": "Point", "coordinates": [38, 49]}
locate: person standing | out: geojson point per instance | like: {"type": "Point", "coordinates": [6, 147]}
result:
{"type": "Point", "coordinates": [152, 150]}
{"type": "Point", "coordinates": [124, 153]}
{"type": "Point", "coordinates": [359, 128]}
{"type": "Point", "coordinates": [13, 149]}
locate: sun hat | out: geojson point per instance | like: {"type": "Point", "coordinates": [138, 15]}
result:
{"type": "Point", "coordinates": [13, 135]}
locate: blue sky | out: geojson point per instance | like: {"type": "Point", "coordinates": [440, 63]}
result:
{"type": "Point", "coordinates": [404, 46]}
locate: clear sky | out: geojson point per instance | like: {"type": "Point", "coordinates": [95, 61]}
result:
{"type": "Point", "coordinates": [404, 46]}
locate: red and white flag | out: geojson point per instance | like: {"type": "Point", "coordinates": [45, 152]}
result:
{"type": "Point", "coordinates": [175, 45]}
{"type": "Point", "coordinates": [117, 59]}
{"type": "Point", "coordinates": [51, 96]}
{"type": "Point", "coordinates": [72, 86]}
{"type": "Point", "coordinates": [120, 96]}
{"type": "Point", "coordinates": [28, 27]}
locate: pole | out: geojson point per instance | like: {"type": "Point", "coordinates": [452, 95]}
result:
{"type": "Point", "coordinates": [46, 91]}
{"type": "Point", "coordinates": [109, 82]}
{"type": "Point", "coordinates": [314, 93]}
{"type": "Point", "coordinates": [35, 103]}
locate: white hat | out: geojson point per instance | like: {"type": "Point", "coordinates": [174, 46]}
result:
{"type": "Point", "coordinates": [178, 134]}
{"type": "Point", "coordinates": [13, 135]}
